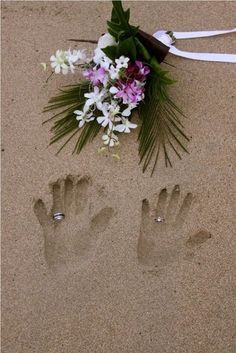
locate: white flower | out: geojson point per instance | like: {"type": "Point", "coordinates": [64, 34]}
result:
{"type": "Point", "coordinates": [59, 62]}
{"type": "Point", "coordinates": [83, 58]}
{"type": "Point", "coordinates": [98, 56]}
{"type": "Point", "coordinates": [114, 72]}
{"type": "Point", "coordinates": [114, 108]}
{"type": "Point", "coordinates": [71, 59]}
{"type": "Point", "coordinates": [105, 62]}
{"type": "Point", "coordinates": [101, 59]}
{"type": "Point", "coordinates": [122, 62]}
{"type": "Point", "coordinates": [95, 97]}
{"type": "Point", "coordinates": [104, 120]}
{"type": "Point", "coordinates": [64, 61]}
{"type": "Point", "coordinates": [83, 116]}
{"type": "Point", "coordinates": [110, 139]}
{"type": "Point", "coordinates": [110, 114]}
{"type": "Point", "coordinates": [72, 56]}
{"type": "Point", "coordinates": [125, 126]}
{"type": "Point", "coordinates": [127, 111]}
{"type": "Point", "coordinates": [106, 40]}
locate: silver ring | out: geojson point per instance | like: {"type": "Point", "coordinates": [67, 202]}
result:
{"type": "Point", "coordinates": [58, 216]}
{"type": "Point", "coordinates": [171, 35]}
{"type": "Point", "coordinates": [159, 219]}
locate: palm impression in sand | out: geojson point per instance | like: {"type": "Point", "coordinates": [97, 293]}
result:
{"type": "Point", "coordinates": [161, 237]}
{"type": "Point", "coordinates": [74, 238]}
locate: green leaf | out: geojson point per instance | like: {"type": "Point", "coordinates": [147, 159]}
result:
{"type": "Point", "coordinates": [114, 26]}
{"type": "Point", "coordinates": [70, 99]}
{"type": "Point", "coordinates": [89, 132]}
{"type": "Point", "coordinates": [142, 51]}
{"type": "Point", "coordinates": [120, 22]}
{"type": "Point", "coordinates": [127, 48]}
{"type": "Point", "coordinates": [163, 77]}
{"type": "Point", "coordinates": [161, 129]}
{"type": "Point", "coordinates": [111, 52]}
{"type": "Point", "coordinates": [68, 96]}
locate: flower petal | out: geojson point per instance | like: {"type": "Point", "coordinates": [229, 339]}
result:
{"type": "Point", "coordinates": [132, 126]}
{"type": "Point", "coordinates": [57, 69]}
{"type": "Point", "coordinates": [81, 123]}
{"type": "Point", "coordinates": [113, 90]}
{"type": "Point", "coordinates": [78, 112]}
{"type": "Point", "coordinates": [126, 112]}
{"type": "Point", "coordinates": [127, 130]}
{"type": "Point", "coordinates": [120, 128]}
{"type": "Point", "coordinates": [100, 119]}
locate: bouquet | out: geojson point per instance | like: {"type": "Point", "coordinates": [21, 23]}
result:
{"type": "Point", "coordinates": [122, 76]}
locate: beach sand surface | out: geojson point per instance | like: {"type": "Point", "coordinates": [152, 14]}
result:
{"type": "Point", "coordinates": [109, 279]}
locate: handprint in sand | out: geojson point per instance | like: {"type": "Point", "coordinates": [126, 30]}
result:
{"type": "Point", "coordinates": [73, 239]}
{"type": "Point", "coordinates": [161, 240]}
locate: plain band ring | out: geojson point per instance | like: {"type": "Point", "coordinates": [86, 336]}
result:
{"type": "Point", "coordinates": [58, 216]}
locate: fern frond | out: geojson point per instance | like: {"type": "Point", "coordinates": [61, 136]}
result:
{"type": "Point", "coordinates": [71, 98]}
{"type": "Point", "coordinates": [161, 127]}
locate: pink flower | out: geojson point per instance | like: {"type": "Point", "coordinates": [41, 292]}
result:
{"type": "Point", "coordinates": [143, 69]}
{"type": "Point", "coordinates": [96, 76]}
{"type": "Point", "coordinates": [129, 92]}
{"type": "Point", "coordinates": [137, 71]}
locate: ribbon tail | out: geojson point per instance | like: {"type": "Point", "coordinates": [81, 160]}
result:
{"type": "Point", "coordinates": [201, 34]}
{"type": "Point", "coordinates": [168, 39]}
{"type": "Point", "coordinates": [227, 58]}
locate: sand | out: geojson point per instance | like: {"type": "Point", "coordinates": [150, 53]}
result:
{"type": "Point", "coordinates": [109, 279]}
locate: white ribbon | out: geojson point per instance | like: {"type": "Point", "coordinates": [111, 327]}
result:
{"type": "Point", "coordinates": [168, 40]}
